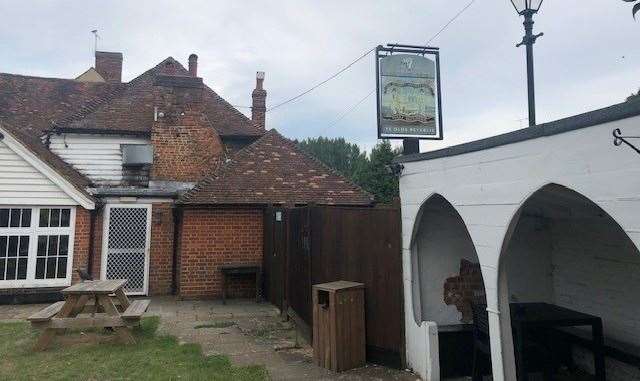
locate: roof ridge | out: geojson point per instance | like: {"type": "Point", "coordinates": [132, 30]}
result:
{"type": "Point", "coordinates": [93, 106]}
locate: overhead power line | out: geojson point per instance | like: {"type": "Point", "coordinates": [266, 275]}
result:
{"type": "Point", "coordinates": [351, 109]}
{"type": "Point", "coordinates": [449, 22]}
{"type": "Point", "coordinates": [323, 82]}
{"type": "Point", "coordinates": [347, 67]}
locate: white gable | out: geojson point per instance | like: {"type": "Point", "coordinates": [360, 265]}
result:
{"type": "Point", "coordinates": [26, 180]}
{"type": "Point", "coordinates": [21, 183]}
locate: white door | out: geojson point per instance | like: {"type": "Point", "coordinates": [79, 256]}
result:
{"type": "Point", "coordinates": [125, 245]}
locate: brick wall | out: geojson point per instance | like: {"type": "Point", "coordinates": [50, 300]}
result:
{"type": "Point", "coordinates": [161, 250]}
{"type": "Point", "coordinates": [186, 147]}
{"type": "Point", "coordinates": [464, 289]}
{"type": "Point", "coordinates": [210, 238]}
{"type": "Point", "coordinates": [97, 244]}
{"type": "Point", "coordinates": [81, 242]}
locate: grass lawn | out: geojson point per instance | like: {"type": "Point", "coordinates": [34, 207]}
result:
{"type": "Point", "coordinates": [152, 358]}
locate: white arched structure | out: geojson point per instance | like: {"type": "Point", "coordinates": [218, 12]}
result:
{"type": "Point", "coordinates": [488, 181]}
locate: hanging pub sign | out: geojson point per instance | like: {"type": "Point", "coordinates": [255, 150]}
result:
{"type": "Point", "coordinates": [408, 90]}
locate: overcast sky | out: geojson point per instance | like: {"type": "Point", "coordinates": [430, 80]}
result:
{"type": "Point", "coordinates": [588, 58]}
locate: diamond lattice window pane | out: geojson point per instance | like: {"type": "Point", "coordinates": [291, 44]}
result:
{"type": "Point", "coordinates": [126, 247]}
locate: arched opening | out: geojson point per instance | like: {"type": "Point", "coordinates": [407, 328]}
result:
{"type": "Point", "coordinates": [564, 252]}
{"type": "Point", "coordinates": [447, 279]}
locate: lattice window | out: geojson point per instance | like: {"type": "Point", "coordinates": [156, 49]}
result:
{"type": "Point", "coordinates": [126, 246]}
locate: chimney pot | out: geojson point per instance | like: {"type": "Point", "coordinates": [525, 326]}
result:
{"type": "Point", "coordinates": [193, 65]}
{"type": "Point", "coordinates": [109, 65]}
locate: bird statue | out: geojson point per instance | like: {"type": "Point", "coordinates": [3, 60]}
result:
{"type": "Point", "coordinates": [84, 275]}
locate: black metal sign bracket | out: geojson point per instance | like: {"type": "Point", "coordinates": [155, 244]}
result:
{"type": "Point", "coordinates": [618, 139]}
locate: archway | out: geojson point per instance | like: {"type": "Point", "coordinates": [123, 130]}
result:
{"type": "Point", "coordinates": [562, 249]}
{"type": "Point", "coordinates": [446, 279]}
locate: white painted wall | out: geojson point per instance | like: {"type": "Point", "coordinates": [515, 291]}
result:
{"type": "Point", "coordinates": [23, 184]}
{"type": "Point", "coordinates": [529, 263]}
{"type": "Point", "coordinates": [441, 242]}
{"type": "Point", "coordinates": [99, 157]}
{"type": "Point", "coordinates": [488, 187]}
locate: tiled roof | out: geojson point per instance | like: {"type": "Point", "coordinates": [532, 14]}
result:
{"type": "Point", "coordinates": [33, 103]}
{"type": "Point", "coordinates": [131, 110]}
{"type": "Point", "coordinates": [274, 170]}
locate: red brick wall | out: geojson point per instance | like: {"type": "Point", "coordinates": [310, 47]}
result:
{"type": "Point", "coordinates": [210, 238]}
{"type": "Point", "coordinates": [161, 250]}
{"type": "Point", "coordinates": [81, 242]}
{"type": "Point", "coordinates": [186, 147]}
{"type": "Point", "coordinates": [461, 290]}
{"type": "Point", "coordinates": [97, 244]}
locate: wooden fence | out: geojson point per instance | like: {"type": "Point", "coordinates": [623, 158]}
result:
{"type": "Point", "coordinates": [317, 244]}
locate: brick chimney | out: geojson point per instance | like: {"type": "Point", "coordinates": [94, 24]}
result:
{"type": "Point", "coordinates": [259, 104]}
{"type": "Point", "coordinates": [193, 65]}
{"type": "Point", "coordinates": [109, 65]}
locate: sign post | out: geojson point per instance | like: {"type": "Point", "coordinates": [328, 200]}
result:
{"type": "Point", "coordinates": [408, 94]}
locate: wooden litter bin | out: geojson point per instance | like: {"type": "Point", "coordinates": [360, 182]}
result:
{"type": "Point", "coordinates": [338, 325]}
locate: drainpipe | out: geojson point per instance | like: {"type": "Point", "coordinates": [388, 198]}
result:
{"type": "Point", "coordinates": [176, 235]}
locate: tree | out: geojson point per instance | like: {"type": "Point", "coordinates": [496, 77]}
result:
{"type": "Point", "coordinates": [633, 96]}
{"type": "Point", "coordinates": [376, 177]}
{"type": "Point", "coordinates": [369, 172]}
{"type": "Point", "coordinates": [336, 153]}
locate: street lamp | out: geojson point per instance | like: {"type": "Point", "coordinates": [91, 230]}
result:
{"type": "Point", "coordinates": [528, 8]}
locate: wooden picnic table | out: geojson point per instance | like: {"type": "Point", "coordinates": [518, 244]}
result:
{"type": "Point", "coordinates": [103, 313]}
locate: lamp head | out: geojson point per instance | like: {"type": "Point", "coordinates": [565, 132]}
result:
{"type": "Point", "coordinates": [526, 6]}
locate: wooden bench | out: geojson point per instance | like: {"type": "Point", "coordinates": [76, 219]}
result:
{"type": "Point", "coordinates": [46, 314]}
{"type": "Point", "coordinates": [136, 309]}
{"type": "Point", "coordinates": [228, 270]}
{"type": "Point", "coordinates": [623, 352]}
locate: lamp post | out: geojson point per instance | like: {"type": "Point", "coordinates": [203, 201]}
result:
{"type": "Point", "coordinates": [528, 8]}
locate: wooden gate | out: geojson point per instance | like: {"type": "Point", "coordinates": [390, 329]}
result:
{"type": "Point", "coordinates": [274, 256]}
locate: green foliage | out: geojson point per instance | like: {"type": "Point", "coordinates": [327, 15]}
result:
{"type": "Point", "coordinates": [336, 153]}
{"type": "Point", "coordinates": [370, 172]}
{"type": "Point", "coordinates": [151, 358]}
{"type": "Point", "coordinates": [633, 96]}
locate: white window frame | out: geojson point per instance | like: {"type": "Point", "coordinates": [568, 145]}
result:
{"type": "Point", "coordinates": [105, 242]}
{"type": "Point", "coordinates": [33, 232]}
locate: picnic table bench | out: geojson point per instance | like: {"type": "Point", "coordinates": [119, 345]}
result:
{"type": "Point", "coordinates": [229, 270]}
{"type": "Point", "coordinates": [102, 314]}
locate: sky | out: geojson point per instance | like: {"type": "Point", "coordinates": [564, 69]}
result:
{"type": "Point", "coordinates": [588, 58]}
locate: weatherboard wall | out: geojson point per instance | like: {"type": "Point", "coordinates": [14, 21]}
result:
{"type": "Point", "coordinates": [23, 184]}
{"type": "Point", "coordinates": [99, 157]}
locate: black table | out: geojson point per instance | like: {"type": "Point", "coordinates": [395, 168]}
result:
{"type": "Point", "coordinates": [228, 270]}
{"type": "Point", "coordinates": [544, 315]}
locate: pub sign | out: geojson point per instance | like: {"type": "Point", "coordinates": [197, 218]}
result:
{"type": "Point", "coordinates": [408, 90]}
